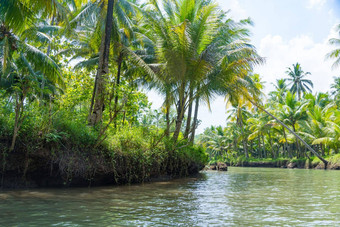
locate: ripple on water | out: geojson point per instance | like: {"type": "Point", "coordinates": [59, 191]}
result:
{"type": "Point", "coordinates": [240, 197]}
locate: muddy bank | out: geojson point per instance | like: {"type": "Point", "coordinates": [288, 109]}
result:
{"type": "Point", "coordinates": [290, 164]}
{"type": "Point", "coordinates": [72, 168]}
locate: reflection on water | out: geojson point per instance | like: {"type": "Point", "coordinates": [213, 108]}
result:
{"type": "Point", "coordinates": [241, 196]}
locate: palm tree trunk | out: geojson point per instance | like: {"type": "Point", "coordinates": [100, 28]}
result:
{"type": "Point", "coordinates": [92, 100]}
{"type": "Point", "coordinates": [297, 145]}
{"type": "Point", "coordinates": [286, 142]}
{"type": "Point", "coordinates": [19, 108]}
{"type": "Point", "coordinates": [120, 60]}
{"type": "Point", "coordinates": [167, 115]}
{"type": "Point", "coordinates": [103, 68]}
{"type": "Point", "coordinates": [188, 126]}
{"type": "Point", "coordinates": [180, 111]}
{"type": "Point", "coordinates": [322, 149]}
{"type": "Point", "coordinates": [194, 125]}
{"type": "Point", "coordinates": [291, 131]}
{"type": "Point", "coordinates": [243, 137]}
{"type": "Point", "coordinates": [264, 147]}
{"type": "Point", "coordinates": [259, 139]}
{"type": "Point", "coordinates": [179, 120]}
{"type": "Point", "coordinates": [271, 145]}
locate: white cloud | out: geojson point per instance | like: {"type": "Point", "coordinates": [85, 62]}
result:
{"type": "Point", "coordinates": [318, 4]}
{"type": "Point", "coordinates": [281, 54]}
{"type": "Point", "coordinates": [237, 12]}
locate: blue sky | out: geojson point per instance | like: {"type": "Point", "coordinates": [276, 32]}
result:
{"type": "Point", "coordinates": [284, 32]}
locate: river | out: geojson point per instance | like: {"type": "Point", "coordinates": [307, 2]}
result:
{"type": "Point", "coordinates": [239, 197]}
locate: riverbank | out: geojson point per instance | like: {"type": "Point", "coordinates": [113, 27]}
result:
{"type": "Point", "coordinates": [93, 167]}
{"type": "Point", "coordinates": [67, 156]}
{"type": "Point", "coordinates": [302, 163]}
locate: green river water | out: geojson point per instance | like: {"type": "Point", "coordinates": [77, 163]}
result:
{"type": "Point", "coordinates": [239, 197]}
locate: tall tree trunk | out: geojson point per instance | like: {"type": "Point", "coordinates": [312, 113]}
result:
{"type": "Point", "coordinates": [259, 139]}
{"type": "Point", "coordinates": [194, 125]}
{"type": "Point", "coordinates": [180, 111]}
{"type": "Point", "coordinates": [167, 114]}
{"type": "Point", "coordinates": [322, 149]}
{"type": "Point", "coordinates": [188, 126]}
{"type": "Point", "coordinates": [271, 145]}
{"type": "Point", "coordinates": [103, 68]}
{"type": "Point", "coordinates": [19, 108]}
{"type": "Point", "coordinates": [50, 112]}
{"type": "Point", "coordinates": [243, 136]}
{"type": "Point", "coordinates": [119, 62]}
{"type": "Point", "coordinates": [291, 131]}
{"type": "Point", "coordinates": [286, 143]}
{"type": "Point", "coordinates": [179, 120]}
{"type": "Point", "coordinates": [298, 152]}
{"type": "Point", "coordinates": [92, 100]}
{"type": "Point", "coordinates": [264, 146]}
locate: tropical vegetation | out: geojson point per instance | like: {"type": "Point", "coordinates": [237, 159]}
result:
{"type": "Point", "coordinates": [258, 131]}
{"type": "Point", "coordinates": [74, 75]}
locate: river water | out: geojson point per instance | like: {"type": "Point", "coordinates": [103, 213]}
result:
{"type": "Point", "coordinates": [239, 197]}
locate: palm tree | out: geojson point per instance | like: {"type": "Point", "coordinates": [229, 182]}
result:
{"type": "Point", "coordinates": [24, 66]}
{"type": "Point", "coordinates": [335, 54]}
{"type": "Point", "coordinates": [296, 79]}
{"type": "Point", "coordinates": [316, 128]}
{"type": "Point", "coordinates": [336, 88]}
{"type": "Point", "coordinates": [246, 90]}
{"type": "Point", "coordinates": [258, 127]}
{"type": "Point", "coordinates": [196, 49]}
{"type": "Point", "coordinates": [90, 22]}
{"type": "Point", "coordinates": [103, 67]}
{"type": "Point", "coordinates": [215, 140]}
{"type": "Point", "coordinates": [280, 91]}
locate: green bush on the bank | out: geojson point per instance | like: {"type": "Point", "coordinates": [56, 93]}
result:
{"type": "Point", "coordinates": [334, 159]}
{"type": "Point", "coordinates": [127, 155]}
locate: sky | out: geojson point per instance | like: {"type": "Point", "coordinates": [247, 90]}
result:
{"type": "Point", "coordinates": [284, 33]}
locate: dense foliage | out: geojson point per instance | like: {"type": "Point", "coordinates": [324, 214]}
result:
{"type": "Point", "coordinates": [252, 133]}
{"type": "Point", "coordinates": [73, 73]}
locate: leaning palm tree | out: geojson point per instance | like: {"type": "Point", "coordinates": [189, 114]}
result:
{"type": "Point", "coordinates": [296, 79]}
{"type": "Point", "coordinates": [247, 89]}
{"type": "Point", "coordinates": [335, 54]}
{"type": "Point", "coordinates": [258, 104]}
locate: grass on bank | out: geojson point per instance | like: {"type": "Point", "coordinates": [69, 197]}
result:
{"type": "Point", "coordinates": [129, 154]}
{"type": "Point", "coordinates": [334, 161]}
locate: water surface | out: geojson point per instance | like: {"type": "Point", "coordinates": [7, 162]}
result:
{"type": "Point", "coordinates": [241, 196]}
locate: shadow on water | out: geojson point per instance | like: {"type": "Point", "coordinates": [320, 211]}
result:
{"type": "Point", "coordinates": [241, 196]}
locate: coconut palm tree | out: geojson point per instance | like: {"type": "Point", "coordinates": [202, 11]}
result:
{"type": "Point", "coordinates": [103, 67]}
{"type": "Point", "coordinates": [24, 67]}
{"type": "Point", "coordinates": [335, 92]}
{"type": "Point", "coordinates": [196, 50]}
{"type": "Point", "coordinates": [258, 127]}
{"type": "Point", "coordinates": [215, 140]}
{"type": "Point", "coordinates": [296, 79]}
{"type": "Point", "coordinates": [316, 128]}
{"type": "Point", "coordinates": [280, 91]}
{"type": "Point", "coordinates": [239, 114]}
{"type": "Point", "coordinates": [335, 54]}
